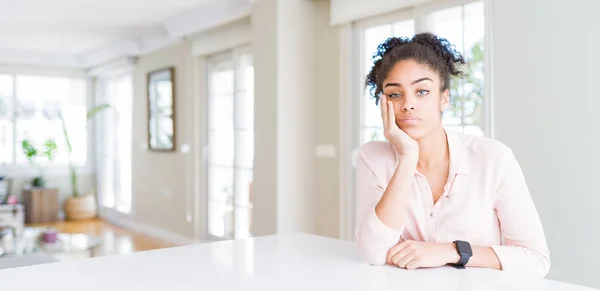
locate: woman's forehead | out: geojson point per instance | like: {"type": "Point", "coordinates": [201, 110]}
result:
{"type": "Point", "coordinates": [408, 71]}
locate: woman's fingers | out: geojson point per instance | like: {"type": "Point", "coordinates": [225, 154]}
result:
{"type": "Point", "coordinates": [391, 116]}
{"type": "Point", "coordinates": [402, 259]}
{"type": "Point", "coordinates": [393, 251]}
{"type": "Point", "coordinates": [414, 264]}
{"type": "Point", "coordinates": [384, 110]}
{"type": "Point", "coordinates": [404, 249]}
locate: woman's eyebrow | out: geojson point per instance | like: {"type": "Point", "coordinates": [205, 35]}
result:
{"type": "Point", "coordinates": [413, 82]}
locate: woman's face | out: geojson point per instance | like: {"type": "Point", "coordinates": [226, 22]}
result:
{"type": "Point", "coordinates": [415, 92]}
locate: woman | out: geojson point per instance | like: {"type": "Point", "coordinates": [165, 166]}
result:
{"type": "Point", "coordinates": [430, 197]}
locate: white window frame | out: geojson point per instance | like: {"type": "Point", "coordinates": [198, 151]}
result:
{"type": "Point", "coordinates": [231, 54]}
{"type": "Point", "coordinates": [26, 171]}
{"type": "Point", "coordinates": [351, 84]}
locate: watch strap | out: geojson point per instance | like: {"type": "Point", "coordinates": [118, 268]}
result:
{"type": "Point", "coordinates": [464, 258]}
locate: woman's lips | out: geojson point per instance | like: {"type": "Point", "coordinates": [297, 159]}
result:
{"type": "Point", "coordinates": [409, 120]}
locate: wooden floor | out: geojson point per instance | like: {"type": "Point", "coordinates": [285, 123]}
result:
{"type": "Point", "coordinates": [115, 240]}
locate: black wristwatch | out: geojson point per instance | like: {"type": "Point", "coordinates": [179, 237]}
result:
{"type": "Point", "coordinates": [464, 250]}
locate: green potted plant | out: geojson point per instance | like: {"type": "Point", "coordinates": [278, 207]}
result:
{"type": "Point", "coordinates": [32, 154]}
{"type": "Point", "coordinates": [79, 206]}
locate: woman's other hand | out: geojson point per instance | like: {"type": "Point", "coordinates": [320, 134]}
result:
{"type": "Point", "coordinates": [411, 255]}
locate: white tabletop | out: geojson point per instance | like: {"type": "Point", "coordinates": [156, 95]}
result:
{"type": "Point", "coordinates": [284, 262]}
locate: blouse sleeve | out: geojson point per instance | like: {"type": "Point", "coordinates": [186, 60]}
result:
{"type": "Point", "coordinates": [524, 249]}
{"type": "Point", "coordinates": [372, 237]}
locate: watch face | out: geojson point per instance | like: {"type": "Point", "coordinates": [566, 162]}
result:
{"type": "Point", "coordinates": [464, 248]}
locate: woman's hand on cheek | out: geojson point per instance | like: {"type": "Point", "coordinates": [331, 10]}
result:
{"type": "Point", "coordinates": [404, 145]}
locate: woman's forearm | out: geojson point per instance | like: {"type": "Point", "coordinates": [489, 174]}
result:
{"type": "Point", "coordinates": [391, 208]}
{"type": "Point", "coordinates": [484, 257]}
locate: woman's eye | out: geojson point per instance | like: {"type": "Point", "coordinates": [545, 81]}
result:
{"type": "Point", "coordinates": [423, 92]}
{"type": "Point", "coordinates": [395, 95]}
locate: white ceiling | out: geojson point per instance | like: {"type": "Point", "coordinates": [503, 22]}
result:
{"type": "Point", "coordinates": [78, 28]}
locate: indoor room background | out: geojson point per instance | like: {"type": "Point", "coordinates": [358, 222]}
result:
{"type": "Point", "coordinates": [267, 108]}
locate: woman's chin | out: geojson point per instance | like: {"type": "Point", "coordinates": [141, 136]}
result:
{"type": "Point", "coordinates": [413, 131]}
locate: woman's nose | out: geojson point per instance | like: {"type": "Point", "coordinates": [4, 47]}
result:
{"type": "Point", "coordinates": [408, 106]}
{"type": "Point", "coordinates": [407, 103]}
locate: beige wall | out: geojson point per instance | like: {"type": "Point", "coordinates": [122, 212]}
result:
{"type": "Point", "coordinates": [161, 179]}
{"type": "Point", "coordinates": [264, 48]}
{"type": "Point", "coordinates": [295, 115]}
{"type": "Point", "coordinates": [327, 122]}
{"type": "Point", "coordinates": [283, 43]}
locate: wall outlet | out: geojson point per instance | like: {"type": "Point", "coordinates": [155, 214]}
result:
{"type": "Point", "coordinates": [185, 148]}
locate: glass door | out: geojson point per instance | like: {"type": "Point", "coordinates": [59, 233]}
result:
{"type": "Point", "coordinates": [230, 161]}
{"type": "Point", "coordinates": [114, 150]}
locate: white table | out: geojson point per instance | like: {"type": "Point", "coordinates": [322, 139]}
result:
{"type": "Point", "coordinates": [25, 260]}
{"type": "Point", "coordinates": [284, 262]}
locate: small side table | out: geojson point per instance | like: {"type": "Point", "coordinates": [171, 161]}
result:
{"type": "Point", "coordinates": [41, 205]}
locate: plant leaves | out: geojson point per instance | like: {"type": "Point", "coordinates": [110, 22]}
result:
{"type": "Point", "coordinates": [97, 109]}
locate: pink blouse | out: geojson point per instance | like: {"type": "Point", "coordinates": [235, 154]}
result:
{"type": "Point", "coordinates": [486, 201]}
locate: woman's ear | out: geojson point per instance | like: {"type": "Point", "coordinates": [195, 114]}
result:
{"type": "Point", "coordinates": [445, 100]}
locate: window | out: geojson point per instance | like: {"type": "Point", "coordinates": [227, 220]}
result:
{"type": "Point", "coordinates": [6, 113]}
{"type": "Point", "coordinates": [230, 144]}
{"type": "Point", "coordinates": [462, 25]}
{"type": "Point", "coordinates": [114, 152]}
{"type": "Point", "coordinates": [30, 107]}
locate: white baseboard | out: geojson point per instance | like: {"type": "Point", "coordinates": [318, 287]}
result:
{"type": "Point", "coordinates": [126, 221]}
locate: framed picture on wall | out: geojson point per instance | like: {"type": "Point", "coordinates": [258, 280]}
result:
{"type": "Point", "coordinates": [161, 109]}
